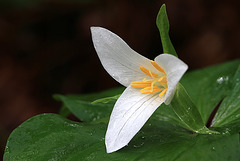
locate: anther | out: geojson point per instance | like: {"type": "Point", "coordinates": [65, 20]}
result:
{"type": "Point", "coordinates": [148, 72]}
{"type": "Point", "coordinates": [160, 69]}
{"type": "Point", "coordinates": [163, 92]}
{"type": "Point", "coordinates": [141, 84]}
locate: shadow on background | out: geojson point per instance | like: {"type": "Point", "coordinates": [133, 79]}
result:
{"type": "Point", "coordinates": [46, 47]}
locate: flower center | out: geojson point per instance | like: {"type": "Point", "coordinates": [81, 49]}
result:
{"type": "Point", "coordinates": [156, 83]}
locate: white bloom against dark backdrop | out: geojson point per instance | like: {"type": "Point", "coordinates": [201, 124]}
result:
{"type": "Point", "coordinates": [149, 84]}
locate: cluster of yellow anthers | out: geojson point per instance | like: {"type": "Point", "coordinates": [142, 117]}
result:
{"type": "Point", "coordinates": [157, 83]}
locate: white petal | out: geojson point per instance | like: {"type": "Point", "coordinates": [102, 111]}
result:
{"type": "Point", "coordinates": [118, 59]}
{"type": "Point", "coordinates": [129, 114]}
{"type": "Point", "coordinates": [174, 68]}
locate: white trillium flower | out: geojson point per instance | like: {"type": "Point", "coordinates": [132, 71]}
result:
{"type": "Point", "coordinates": [149, 84]}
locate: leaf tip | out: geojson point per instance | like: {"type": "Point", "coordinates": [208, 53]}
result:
{"type": "Point", "coordinates": [56, 97]}
{"type": "Point", "coordinates": [163, 7]}
{"type": "Point", "coordinates": [162, 11]}
{"type": "Point", "coordinates": [94, 102]}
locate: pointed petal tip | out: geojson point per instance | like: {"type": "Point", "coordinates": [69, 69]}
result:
{"type": "Point", "coordinates": [115, 146]}
{"type": "Point", "coordinates": [97, 28]}
{"type": "Point", "coordinates": [93, 29]}
{"type": "Point", "coordinates": [111, 149]}
{"type": "Point", "coordinates": [98, 34]}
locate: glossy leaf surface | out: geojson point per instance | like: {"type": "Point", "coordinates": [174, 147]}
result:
{"type": "Point", "coordinates": [52, 137]}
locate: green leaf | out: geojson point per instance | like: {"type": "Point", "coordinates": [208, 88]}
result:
{"type": "Point", "coordinates": [229, 110]}
{"type": "Point", "coordinates": [64, 111]}
{"type": "Point", "coordinates": [208, 86]}
{"type": "Point", "coordinates": [107, 99]}
{"type": "Point", "coordinates": [166, 113]}
{"type": "Point", "coordinates": [229, 128]}
{"type": "Point", "coordinates": [187, 111]}
{"type": "Point", "coordinates": [163, 27]}
{"type": "Point", "coordinates": [52, 137]}
{"type": "Point", "coordinates": [83, 109]}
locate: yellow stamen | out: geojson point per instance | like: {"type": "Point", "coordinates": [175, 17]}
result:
{"type": "Point", "coordinates": [160, 69]}
{"type": "Point", "coordinates": [163, 92]}
{"type": "Point", "coordinates": [148, 72]}
{"type": "Point", "coordinates": [162, 79]}
{"type": "Point", "coordinates": [141, 84]}
{"type": "Point", "coordinates": [157, 83]}
{"type": "Point", "coordinates": [148, 90]}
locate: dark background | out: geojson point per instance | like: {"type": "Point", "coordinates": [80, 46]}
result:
{"type": "Point", "coordinates": [46, 47]}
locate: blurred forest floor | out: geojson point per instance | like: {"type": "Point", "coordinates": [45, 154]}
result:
{"type": "Point", "coordinates": [46, 46]}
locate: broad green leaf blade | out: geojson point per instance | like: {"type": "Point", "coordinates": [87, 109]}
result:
{"type": "Point", "coordinates": [208, 86]}
{"type": "Point", "coordinates": [83, 109]}
{"type": "Point", "coordinates": [230, 128]}
{"type": "Point", "coordinates": [187, 112]}
{"type": "Point", "coordinates": [163, 27]}
{"type": "Point", "coordinates": [229, 110]}
{"type": "Point", "coordinates": [166, 113]}
{"type": "Point", "coordinates": [52, 137]}
{"type": "Point", "coordinates": [217, 148]}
